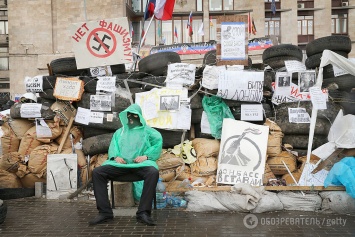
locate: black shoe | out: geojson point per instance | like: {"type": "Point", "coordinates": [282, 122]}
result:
{"type": "Point", "coordinates": [145, 219]}
{"type": "Point", "coordinates": [100, 219]}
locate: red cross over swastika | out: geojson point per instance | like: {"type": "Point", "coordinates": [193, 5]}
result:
{"type": "Point", "coordinates": [101, 43]}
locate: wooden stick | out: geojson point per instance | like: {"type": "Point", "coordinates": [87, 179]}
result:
{"type": "Point", "coordinates": [65, 135]}
{"type": "Point", "coordinates": [79, 190]}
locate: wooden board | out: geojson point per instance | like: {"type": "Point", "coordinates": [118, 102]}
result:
{"type": "Point", "coordinates": [231, 18]}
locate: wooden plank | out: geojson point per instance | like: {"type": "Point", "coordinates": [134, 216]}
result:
{"type": "Point", "coordinates": [65, 135]}
{"type": "Point", "coordinates": [269, 188]}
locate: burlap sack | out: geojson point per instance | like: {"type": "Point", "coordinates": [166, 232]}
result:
{"type": "Point", "coordinates": [267, 174]}
{"type": "Point", "coordinates": [168, 160]}
{"type": "Point", "coordinates": [22, 170]}
{"type": "Point", "coordinates": [184, 172]}
{"type": "Point", "coordinates": [9, 141]}
{"type": "Point", "coordinates": [56, 130]}
{"type": "Point", "coordinates": [9, 180]}
{"type": "Point", "coordinates": [204, 166]}
{"type": "Point", "coordinates": [289, 181]}
{"type": "Point", "coordinates": [167, 174]}
{"type": "Point", "coordinates": [96, 161]}
{"type": "Point", "coordinates": [37, 163]}
{"type": "Point", "coordinates": [82, 164]}
{"type": "Point", "coordinates": [29, 180]}
{"type": "Point", "coordinates": [274, 143]}
{"type": "Point", "coordinates": [29, 142]}
{"type": "Point", "coordinates": [276, 165]}
{"type": "Point", "coordinates": [273, 127]}
{"type": "Point", "coordinates": [11, 161]}
{"type": "Point", "coordinates": [76, 133]}
{"type": "Point", "coordinates": [20, 126]}
{"type": "Point", "coordinates": [206, 147]}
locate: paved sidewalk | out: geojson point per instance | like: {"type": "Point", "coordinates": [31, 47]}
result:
{"type": "Point", "coordinates": [41, 217]}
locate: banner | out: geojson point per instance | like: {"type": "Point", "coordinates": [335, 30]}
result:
{"type": "Point", "coordinates": [186, 48]}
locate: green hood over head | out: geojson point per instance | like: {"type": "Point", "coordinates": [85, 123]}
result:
{"type": "Point", "coordinates": [134, 109]}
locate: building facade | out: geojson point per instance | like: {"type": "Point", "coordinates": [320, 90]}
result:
{"type": "Point", "coordinates": [39, 30]}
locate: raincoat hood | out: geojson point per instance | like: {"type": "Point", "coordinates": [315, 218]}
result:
{"type": "Point", "coordinates": [134, 109]}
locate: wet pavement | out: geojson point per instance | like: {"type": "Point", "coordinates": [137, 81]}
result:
{"type": "Point", "coordinates": [41, 217]}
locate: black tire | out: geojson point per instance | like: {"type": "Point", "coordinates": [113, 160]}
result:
{"type": "Point", "coordinates": [199, 134]}
{"type": "Point", "coordinates": [301, 141]}
{"type": "Point", "coordinates": [91, 82]}
{"type": "Point", "coordinates": [157, 64]}
{"type": "Point", "coordinates": [210, 58]}
{"type": "Point", "coordinates": [328, 71]}
{"type": "Point", "coordinates": [92, 132]}
{"type": "Point", "coordinates": [46, 112]}
{"type": "Point", "coordinates": [283, 50]}
{"type": "Point", "coordinates": [344, 99]}
{"type": "Point", "coordinates": [269, 77]}
{"type": "Point", "coordinates": [345, 82]}
{"type": "Point", "coordinates": [3, 212]}
{"type": "Point", "coordinates": [47, 94]}
{"type": "Point", "coordinates": [172, 138]}
{"type": "Point", "coordinates": [196, 115]}
{"type": "Point", "coordinates": [279, 61]}
{"type": "Point", "coordinates": [314, 60]}
{"type": "Point", "coordinates": [196, 101]}
{"type": "Point", "coordinates": [118, 69]}
{"type": "Point", "coordinates": [67, 66]}
{"type": "Point", "coordinates": [333, 42]}
{"type": "Point", "coordinates": [15, 193]}
{"type": "Point", "coordinates": [155, 80]}
{"type": "Point", "coordinates": [97, 144]}
{"type": "Point", "coordinates": [322, 126]}
{"type": "Point", "coordinates": [49, 82]}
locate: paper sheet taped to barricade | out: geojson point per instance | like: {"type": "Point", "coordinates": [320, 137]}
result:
{"type": "Point", "coordinates": [34, 84]}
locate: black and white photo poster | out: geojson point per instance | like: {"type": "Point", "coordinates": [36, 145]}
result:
{"type": "Point", "coordinates": [242, 153]}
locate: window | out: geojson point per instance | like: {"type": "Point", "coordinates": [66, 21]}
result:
{"type": "Point", "coordinates": [199, 6]}
{"type": "Point", "coordinates": [305, 25]}
{"type": "Point", "coordinates": [150, 37]}
{"type": "Point", "coordinates": [219, 5]}
{"type": "Point", "coordinates": [139, 5]}
{"type": "Point", "coordinates": [340, 24]}
{"type": "Point", "coordinates": [4, 64]}
{"type": "Point", "coordinates": [213, 29]}
{"type": "Point", "coordinates": [4, 49]}
{"type": "Point", "coordinates": [4, 85]}
{"type": "Point", "coordinates": [271, 0]}
{"type": "Point", "coordinates": [3, 27]}
{"type": "Point", "coordinates": [272, 26]}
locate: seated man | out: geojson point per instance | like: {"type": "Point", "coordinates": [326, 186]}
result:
{"type": "Point", "coordinates": [133, 150]}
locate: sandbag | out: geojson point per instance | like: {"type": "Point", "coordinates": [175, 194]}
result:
{"type": "Point", "coordinates": [337, 202]}
{"type": "Point", "coordinates": [29, 180]}
{"type": "Point", "coordinates": [295, 201]}
{"type": "Point", "coordinates": [167, 174]}
{"type": "Point", "coordinates": [168, 160]}
{"type": "Point", "coordinates": [206, 147]}
{"type": "Point", "coordinates": [76, 134]}
{"type": "Point", "coordinates": [22, 170]}
{"type": "Point", "coordinates": [276, 165]}
{"type": "Point", "coordinates": [37, 163]}
{"type": "Point", "coordinates": [96, 161]}
{"type": "Point", "coordinates": [46, 112]}
{"type": "Point", "coordinates": [10, 161]}
{"type": "Point", "coordinates": [184, 172]}
{"type": "Point", "coordinates": [275, 138]}
{"type": "Point", "coordinates": [9, 141]}
{"type": "Point", "coordinates": [55, 128]}
{"type": "Point", "coordinates": [204, 166]}
{"type": "Point", "coordinates": [9, 180]}
{"type": "Point", "coordinates": [29, 142]}
{"type": "Point", "coordinates": [268, 202]}
{"type": "Point", "coordinates": [19, 126]}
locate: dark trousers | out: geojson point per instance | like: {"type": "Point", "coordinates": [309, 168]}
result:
{"type": "Point", "coordinates": [102, 174]}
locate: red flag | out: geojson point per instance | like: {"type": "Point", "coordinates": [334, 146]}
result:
{"type": "Point", "coordinates": [189, 25]}
{"type": "Point", "coordinates": [176, 33]}
{"type": "Point", "coordinates": [164, 9]}
{"type": "Point", "coordinates": [149, 11]}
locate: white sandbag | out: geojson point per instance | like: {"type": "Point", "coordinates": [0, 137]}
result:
{"type": "Point", "coordinates": [237, 202]}
{"type": "Point", "coordinates": [202, 202]}
{"type": "Point", "coordinates": [295, 201]}
{"type": "Point", "coordinates": [337, 202]}
{"type": "Point", "coordinates": [268, 202]}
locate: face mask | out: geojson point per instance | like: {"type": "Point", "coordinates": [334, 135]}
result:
{"type": "Point", "coordinates": [133, 120]}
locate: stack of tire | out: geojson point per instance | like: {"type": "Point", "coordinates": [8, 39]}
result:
{"type": "Point", "coordinates": [276, 55]}
{"type": "Point", "coordinates": [344, 94]}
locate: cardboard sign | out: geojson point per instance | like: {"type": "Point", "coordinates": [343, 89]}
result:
{"type": "Point", "coordinates": [30, 110]}
{"type": "Point", "coordinates": [241, 86]}
{"type": "Point", "coordinates": [181, 73]}
{"type": "Point", "coordinates": [34, 84]}
{"type": "Point", "coordinates": [251, 112]}
{"type": "Point", "coordinates": [68, 88]}
{"type": "Point", "coordinates": [101, 43]}
{"type": "Point", "coordinates": [298, 115]}
{"type": "Point", "coordinates": [100, 102]}
{"type": "Point", "coordinates": [106, 84]}
{"type": "Point", "coordinates": [242, 153]}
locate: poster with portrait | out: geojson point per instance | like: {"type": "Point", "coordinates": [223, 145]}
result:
{"type": "Point", "coordinates": [242, 153]}
{"type": "Point", "coordinates": [306, 80]}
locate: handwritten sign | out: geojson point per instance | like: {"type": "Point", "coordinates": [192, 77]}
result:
{"type": "Point", "coordinates": [317, 98]}
{"type": "Point", "coordinates": [298, 115]}
{"type": "Point", "coordinates": [30, 110]}
{"type": "Point", "coordinates": [242, 153]}
{"type": "Point", "coordinates": [294, 66]}
{"type": "Point", "coordinates": [241, 86]}
{"type": "Point", "coordinates": [82, 116]}
{"type": "Point", "coordinates": [251, 112]}
{"type": "Point", "coordinates": [106, 84]}
{"type": "Point", "coordinates": [182, 73]}
{"type": "Point", "coordinates": [42, 129]}
{"type": "Point", "coordinates": [96, 117]}
{"type": "Point", "coordinates": [232, 41]}
{"type": "Point", "coordinates": [68, 89]}
{"type": "Point", "coordinates": [100, 102]}
{"type": "Point", "coordinates": [34, 84]}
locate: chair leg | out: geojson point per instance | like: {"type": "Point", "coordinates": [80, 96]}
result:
{"type": "Point", "coordinates": [155, 201]}
{"type": "Point", "coordinates": [112, 195]}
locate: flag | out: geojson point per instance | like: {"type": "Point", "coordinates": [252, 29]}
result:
{"type": "Point", "coordinates": [253, 28]}
{"type": "Point", "coordinates": [189, 24]}
{"type": "Point", "coordinates": [164, 9]}
{"type": "Point", "coordinates": [200, 30]}
{"type": "Point", "coordinates": [175, 33]}
{"type": "Point", "coordinates": [273, 7]}
{"type": "Point", "coordinates": [249, 24]}
{"type": "Point", "coordinates": [149, 10]}
{"type": "Point", "coordinates": [211, 22]}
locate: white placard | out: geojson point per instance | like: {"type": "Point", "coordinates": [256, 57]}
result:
{"type": "Point", "coordinates": [82, 116]}
{"type": "Point", "coordinates": [283, 83]}
{"type": "Point", "coordinates": [251, 112]}
{"type": "Point", "coordinates": [232, 41]}
{"type": "Point", "coordinates": [96, 117]}
{"type": "Point", "coordinates": [30, 110]}
{"type": "Point", "coordinates": [102, 42]}
{"type": "Point", "coordinates": [42, 129]}
{"type": "Point", "coordinates": [61, 175]}
{"type": "Point", "coordinates": [184, 118]}
{"type": "Point", "coordinates": [317, 98]}
{"type": "Point", "coordinates": [106, 84]}
{"type": "Point", "coordinates": [100, 102]}
{"type": "Point", "coordinates": [181, 73]}
{"type": "Point", "coordinates": [205, 124]}
{"type": "Point", "coordinates": [241, 86]}
{"type": "Point", "coordinates": [294, 66]}
{"type": "Point", "coordinates": [210, 76]}
{"type": "Point", "coordinates": [242, 153]}
{"type": "Point", "coordinates": [298, 115]}
{"type": "Point", "coordinates": [34, 84]}
{"type": "Point", "coordinates": [100, 71]}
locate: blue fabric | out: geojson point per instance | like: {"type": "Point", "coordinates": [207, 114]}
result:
{"type": "Point", "coordinates": [343, 173]}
